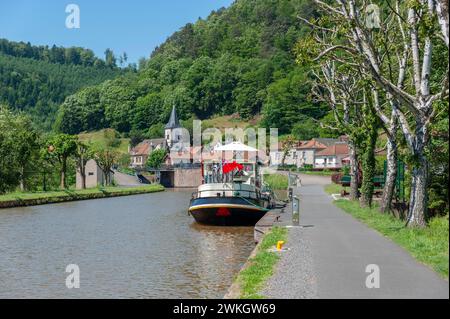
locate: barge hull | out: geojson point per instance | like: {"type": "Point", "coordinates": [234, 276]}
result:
{"type": "Point", "coordinates": [226, 211]}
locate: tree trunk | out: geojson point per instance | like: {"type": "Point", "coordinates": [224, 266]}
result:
{"type": "Point", "coordinates": [418, 201]}
{"type": "Point", "coordinates": [83, 180]}
{"type": "Point", "coordinates": [354, 174]}
{"type": "Point", "coordinates": [22, 179]}
{"type": "Point", "coordinates": [391, 175]}
{"type": "Point", "coordinates": [368, 164]}
{"type": "Point", "coordinates": [106, 177]}
{"type": "Point", "coordinates": [82, 170]}
{"type": "Point", "coordinates": [63, 175]}
{"type": "Point", "coordinates": [44, 182]}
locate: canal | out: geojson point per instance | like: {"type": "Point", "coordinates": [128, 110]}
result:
{"type": "Point", "coordinates": [143, 246]}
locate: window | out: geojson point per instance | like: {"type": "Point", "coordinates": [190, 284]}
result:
{"type": "Point", "coordinates": [91, 174]}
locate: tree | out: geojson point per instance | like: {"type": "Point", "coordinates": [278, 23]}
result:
{"type": "Point", "coordinates": [61, 147]}
{"type": "Point", "coordinates": [106, 159]}
{"type": "Point", "coordinates": [370, 125]}
{"type": "Point", "coordinates": [379, 54]}
{"type": "Point", "coordinates": [288, 144]}
{"type": "Point", "coordinates": [306, 129]}
{"type": "Point", "coordinates": [9, 176]}
{"type": "Point", "coordinates": [83, 154]}
{"type": "Point", "coordinates": [27, 147]}
{"type": "Point", "coordinates": [156, 158]}
{"type": "Point", "coordinates": [38, 82]}
{"type": "Point", "coordinates": [287, 102]}
{"type": "Point", "coordinates": [344, 93]}
{"type": "Point", "coordinates": [110, 59]}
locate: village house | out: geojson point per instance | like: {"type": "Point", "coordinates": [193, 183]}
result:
{"type": "Point", "coordinates": [276, 157]}
{"type": "Point", "coordinates": [140, 153]}
{"type": "Point", "coordinates": [333, 157]}
{"type": "Point", "coordinates": [175, 142]}
{"type": "Point", "coordinates": [307, 151]}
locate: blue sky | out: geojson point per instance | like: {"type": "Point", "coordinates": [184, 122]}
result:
{"type": "Point", "coordinates": [133, 26]}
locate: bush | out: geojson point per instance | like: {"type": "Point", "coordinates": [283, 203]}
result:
{"type": "Point", "coordinates": [336, 178]}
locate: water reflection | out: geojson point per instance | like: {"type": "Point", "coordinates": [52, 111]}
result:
{"type": "Point", "coordinates": [143, 246]}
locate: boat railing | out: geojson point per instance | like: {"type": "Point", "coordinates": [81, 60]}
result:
{"type": "Point", "coordinates": [223, 193]}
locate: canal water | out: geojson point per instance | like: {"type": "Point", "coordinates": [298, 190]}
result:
{"type": "Point", "coordinates": [143, 246]}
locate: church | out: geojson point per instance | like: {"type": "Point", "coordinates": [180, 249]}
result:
{"type": "Point", "coordinates": [174, 142]}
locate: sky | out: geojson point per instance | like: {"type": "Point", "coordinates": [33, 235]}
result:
{"type": "Point", "coordinates": [132, 26]}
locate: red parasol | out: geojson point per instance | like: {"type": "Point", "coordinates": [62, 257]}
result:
{"type": "Point", "coordinates": [231, 167]}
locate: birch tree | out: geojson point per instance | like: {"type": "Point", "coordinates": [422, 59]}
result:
{"type": "Point", "coordinates": [412, 40]}
{"type": "Point", "coordinates": [340, 92]}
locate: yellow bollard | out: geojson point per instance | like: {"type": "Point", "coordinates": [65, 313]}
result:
{"type": "Point", "coordinates": [280, 244]}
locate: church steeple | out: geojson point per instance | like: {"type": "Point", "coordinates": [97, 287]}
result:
{"type": "Point", "coordinates": [173, 120]}
{"type": "Point", "coordinates": [172, 128]}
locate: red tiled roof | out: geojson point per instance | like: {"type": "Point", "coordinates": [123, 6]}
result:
{"type": "Point", "coordinates": [146, 146]}
{"type": "Point", "coordinates": [336, 149]}
{"type": "Point", "coordinates": [313, 144]}
{"type": "Point", "coordinates": [141, 149]}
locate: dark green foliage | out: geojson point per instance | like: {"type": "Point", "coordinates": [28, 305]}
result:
{"type": "Point", "coordinates": [59, 55]}
{"type": "Point", "coordinates": [437, 153]}
{"type": "Point", "coordinates": [238, 60]}
{"type": "Point", "coordinates": [38, 79]}
{"type": "Point", "coordinates": [156, 158]}
{"type": "Point", "coordinates": [368, 164]}
{"type": "Point", "coordinates": [19, 150]}
{"type": "Point", "coordinates": [287, 102]}
{"type": "Point", "coordinates": [9, 174]}
{"type": "Point", "coordinates": [306, 129]}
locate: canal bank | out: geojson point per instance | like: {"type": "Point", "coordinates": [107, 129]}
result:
{"type": "Point", "coordinates": [333, 255]}
{"type": "Point", "coordinates": [43, 198]}
{"type": "Point", "coordinates": [260, 265]}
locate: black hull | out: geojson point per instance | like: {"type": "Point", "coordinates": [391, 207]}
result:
{"type": "Point", "coordinates": [227, 211]}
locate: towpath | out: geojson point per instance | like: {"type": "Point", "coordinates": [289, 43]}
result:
{"type": "Point", "coordinates": [330, 252]}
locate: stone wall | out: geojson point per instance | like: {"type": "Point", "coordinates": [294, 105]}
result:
{"type": "Point", "coordinates": [187, 177]}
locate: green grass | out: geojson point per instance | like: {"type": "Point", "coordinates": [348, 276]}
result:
{"type": "Point", "coordinates": [261, 267]}
{"type": "Point", "coordinates": [429, 245]}
{"type": "Point", "coordinates": [333, 188]}
{"type": "Point", "coordinates": [318, 173]}
{"type": "Point", "coordinates": [276, 181]}
{"type": "Point", "coordinates": [102, 138]}
{"type": "Point", "coordinates": [59, 196]}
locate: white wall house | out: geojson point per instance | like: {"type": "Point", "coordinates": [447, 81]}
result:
{"type": "Point", "coordinates": [276, 158]}
{"type": "Point", "coordinates": [332, 156]}
{"type": "Point", "coordinates": [307, 151]}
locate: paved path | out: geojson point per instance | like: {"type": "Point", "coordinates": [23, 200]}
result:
{"type": "Point", "coordinates": [125, 179]}
{"type": "Point", "coordinates": [328, 257]}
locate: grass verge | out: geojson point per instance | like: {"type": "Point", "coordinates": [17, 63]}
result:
{"type": "Point", "coordinates": [429, 245]}
{"type": "Point", "coordinates": [318, 173]}
{"type": "Point", "coordinates": [276, 181]}
{"type": "Point", "coordinates": [333, 188]}
{"type": "Point", "coordinates": [38, 198]}
{"type": "Point", "coordinates": [261, 266]}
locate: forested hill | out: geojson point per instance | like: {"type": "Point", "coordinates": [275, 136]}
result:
{"type": "Point", "coordinates": [37, 79]}
{"type": "Point", "coordinates": [238, 60]}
